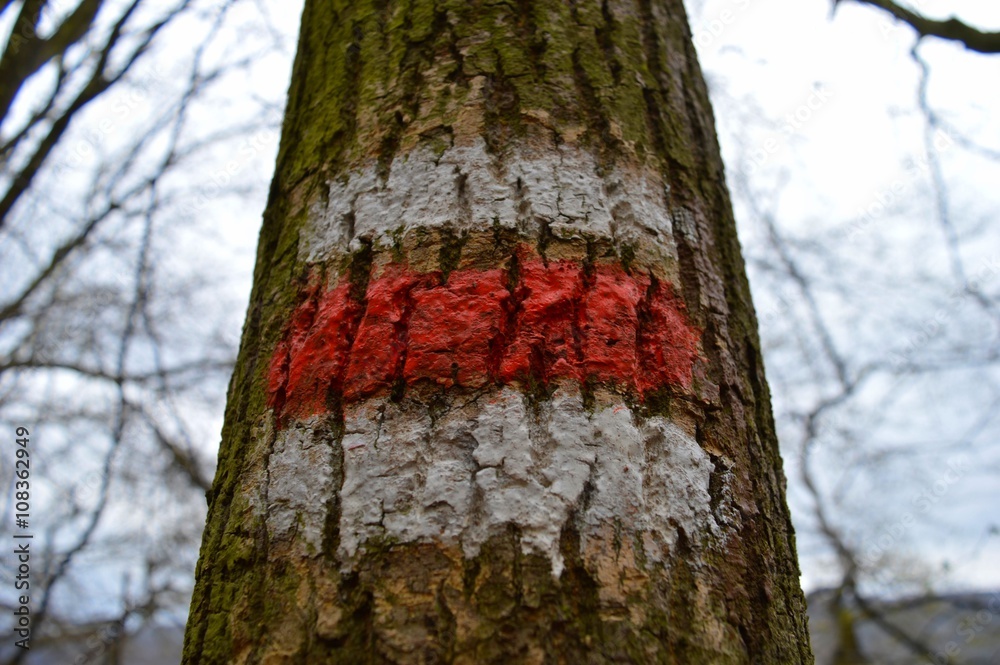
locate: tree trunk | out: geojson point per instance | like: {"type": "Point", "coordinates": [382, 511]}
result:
{"type": "Point", "coordinates": [500, 396]}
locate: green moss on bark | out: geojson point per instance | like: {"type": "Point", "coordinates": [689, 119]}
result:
{"type": "Point", "coordinates": [372, 79]}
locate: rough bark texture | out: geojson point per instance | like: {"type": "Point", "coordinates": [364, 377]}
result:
{"type": "Point", "coordinates": [500, 396]}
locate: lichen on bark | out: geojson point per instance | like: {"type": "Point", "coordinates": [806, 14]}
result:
{"type": "Point", "coordinates": [441, 141]}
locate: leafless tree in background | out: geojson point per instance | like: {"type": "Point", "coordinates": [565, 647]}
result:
{"type": "Point", "coordinates": [119, 141]}
{"type": "Point", "coordinates": [882, 340]}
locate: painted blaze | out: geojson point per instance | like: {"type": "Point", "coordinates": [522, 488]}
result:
{"type": "Point", "coordinates": [476, 327]}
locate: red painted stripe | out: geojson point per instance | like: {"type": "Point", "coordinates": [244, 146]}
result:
{"type": "Point", "coordinates": [454, 328]}
{"type": "Point", "coordinates": [378, 351]}
{"type": "Point", "coordinates": [471, 330]}
{"type": "Point", "coordinates": [610, 325]}
{"type": "Point", "coordinates": [309, 363]}
{"type": "Point", "coordinates": [544, 340]}
{"type": "Point", "coordinates": [668, 344]}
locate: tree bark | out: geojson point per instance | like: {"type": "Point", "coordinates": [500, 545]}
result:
{"type": "Point", "coordinates": [500, 396]}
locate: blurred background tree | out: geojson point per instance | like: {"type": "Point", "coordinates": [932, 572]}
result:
{"type": "Point", "coordinates": [136, 142]}
{"type": "Point", "coordinates": [861, 178]}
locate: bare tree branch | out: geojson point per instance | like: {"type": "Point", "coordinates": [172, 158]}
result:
{"type": "Point", "coordinates": [940, 189]}
{"type": "Point", "coordinates": [951, 29]}
{"type": "Point", "coordinates": [27, 51]}
{"type": "Point", "coordinates": [90, 345]}
{"type": "Point", "coordinates": [100, 81]}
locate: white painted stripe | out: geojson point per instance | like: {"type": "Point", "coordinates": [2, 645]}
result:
{"type": "Point", "coordinates": [299, 484]}
{"type": "Point", "coordinates": [484, 463]}
{"type": "Point", "coordinates": [466, 188]}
